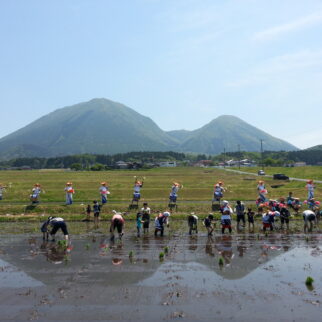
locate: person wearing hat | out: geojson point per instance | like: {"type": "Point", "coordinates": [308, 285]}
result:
{"type": "Point", "coordinates": [193, 223]}
{"type": "Point", "coordinates": [35, 192]}
{"type": "Point", "coordinates": [161, 220]}
{"type": "Point", "coordinates": [262, 192]}
{"type": "Point", "coordinates": [310, 189]}
{"type": "Point", "coordinates": [69, 193]}
{"type": "Point", "coordinates": [174, 190]}
{"type": "Point", "coordinates": [104, 192]}
{"type": "Point", "coordinates": [219, 190]}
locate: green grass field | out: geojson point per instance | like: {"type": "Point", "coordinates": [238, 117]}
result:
{"type": "Point", "coordinates": [195, 196]}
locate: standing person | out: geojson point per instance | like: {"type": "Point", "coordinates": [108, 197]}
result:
{"type": "Point", "coordinates": [35, 192]}
{"type": "Point", "coordinates": [310, 189]}
{"type": "Point", "coordinates": [137, 189]}
{"type": "Point", "coordinates": [56, 223]}
{"type": "Point", "coordinates": [2, 189]}
{"type": "Point", "coordinates": [174, 191]}
{"type": "Point", "coordinates": [117, 222]}
{"type": "Point", "coordinates": [240, 211]}
{"type": "Point", "coordinates": [104, 192]}
{"type": "Point", "coordinates": [226, 207]}
{"type": "Point", "coordinates": [96, 211]}
{"type": "Point", "coordinates": [193, 223]}
{"type": "Point", "coordinates": [290, 199]}
{"type": "Point", "coordinates": [250, 218]}
{"type": "Point", "coordinates": [208, 224]}
{"type": "Point", "coordinates": [219, 190]}
{"type": "Point", "coordinates": [69, 193]}
{"type": "Point", "coordinates": [146, 212]}
{"type": "Point", "coordinates": [309, 217]}
{"type": "Point", "coordinates": [139, 223]}
{"type": "Point", "coordinates": [267, 223]}
{"type": "Point", "coordinates": [285, 217]}
{"type": "Point", "coordinates": [88, 211]}
{"type": "Point", "coordinates": [262, 192]}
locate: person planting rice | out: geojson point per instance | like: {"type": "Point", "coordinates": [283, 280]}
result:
{"type": "Point", "coordinates": [146, 212]}
{"type": "Point", "coordinates": [262, 192]}
{"type": "Point", "coordinates": [193, 223]}
{"type": "Point", "coordinates": [208, 224]}
{"type": "Point", "coordinates": [250, 218]}
{"type": "Point", "coordinates": [55, 223]}
{"type": "Point", "coordinates": [309, 218]}
{"type": "Point", "coordinates": [35, 192]}
{"type": "Point", "coordinates": [296, 205]}
{"type": "Point", "coordinates": [174, 192]}
{"type": "Point", "coordinates": [69, 193]}
{"type": "Point", "coordinates": [159, 222]}
{"type": "Point", "coordinates": [310, 189]}
{"type": "Point", "coordinates": [219, 191]}
{"type": "Point", "coordinates": [240, 211]}
{"type": "Point", "coordinates": [104, 192]}
{"type": "Point", "coordinates": [267, 223]}
{"type": "Point", "coordinates": [117, 222]}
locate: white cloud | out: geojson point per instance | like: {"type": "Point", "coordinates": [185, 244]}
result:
{"type": "Point", "coordinates": [278, 31]}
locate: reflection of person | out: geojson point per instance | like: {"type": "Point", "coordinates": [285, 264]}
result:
{"type": "Point", "coordinates": [53, 253]}
{"type": "Point", "coordinates": [193, 223]}
{"type": "Point", "coordinates": [117, 222]}
{"type": "Point", "coordinates": [309, 218]}
{"type": "Point", "coordinates": [146, 212]}
{"type": "Point", "coordinates": [104, 192]}
{"type": "Point", "coordinates": [35, 192]}
{"type": "Point", "coordinates": [225, 248]}
{"type": "Point", "coordinates": [69, 193]}
{"type": "Point", "coordinates": [56, 223]}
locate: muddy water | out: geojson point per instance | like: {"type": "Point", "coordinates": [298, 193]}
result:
{"type": "Point", "coordinates": [262, 277]}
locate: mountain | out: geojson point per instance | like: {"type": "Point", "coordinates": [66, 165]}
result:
{"type": "Point", "coordinates": [98, 126]}
{"type": "Point", "coordinates": [102, 126]}
{"type": "Point", "coordinates": [314, 148]}
{"type": "Point", "coordinates": [228, 132]}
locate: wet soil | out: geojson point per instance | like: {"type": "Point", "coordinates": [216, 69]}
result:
{"type": "Point", "coordinates": [262, 277]}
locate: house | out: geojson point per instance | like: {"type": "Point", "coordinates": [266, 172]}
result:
{"type": "Point", "coordinates": [121, 165]}
{"type": "Point", "coordinates": [168, 164]}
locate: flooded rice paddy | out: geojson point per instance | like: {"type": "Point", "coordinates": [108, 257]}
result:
{"type": "Point", "coordinates": [262, 277]}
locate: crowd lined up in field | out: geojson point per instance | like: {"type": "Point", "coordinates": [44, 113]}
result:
{"type": "Point", "coordinates": [267, 209]}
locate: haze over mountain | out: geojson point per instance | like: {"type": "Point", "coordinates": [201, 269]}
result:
{"type": "Point", "coordinates": [102, 126]}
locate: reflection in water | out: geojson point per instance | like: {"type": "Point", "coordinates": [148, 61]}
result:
{"type": "Point", "coordinates": [225, 248]}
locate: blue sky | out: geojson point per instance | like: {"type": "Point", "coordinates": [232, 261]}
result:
{"type": "Point", "coordinates": [180, 62]}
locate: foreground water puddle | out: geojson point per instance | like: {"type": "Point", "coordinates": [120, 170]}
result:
{"type": "Point", "coordinates": [238, 277]}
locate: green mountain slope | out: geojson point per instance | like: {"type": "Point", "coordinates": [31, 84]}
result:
{"type": "Point", "coordinates": [97, 126]}
{"type": "Point", "coordinates": [227, 132]}
{"type": "Point", "coordinates": [102, 126]}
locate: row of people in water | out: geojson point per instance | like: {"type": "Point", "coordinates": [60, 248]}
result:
{"type": "Point", "coordinates": [161, 220]}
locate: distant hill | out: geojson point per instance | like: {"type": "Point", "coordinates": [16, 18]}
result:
{"type": "Point", "coordinates": [227, 132]}
{"type": "Point", "coordinates": [102, 126]}
{"type": "Point", "coordinates": [315, 148]}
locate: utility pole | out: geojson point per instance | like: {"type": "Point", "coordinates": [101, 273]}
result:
{"type": "Point", "coordinates": [262, 164]}
{"type": "Point", "coordinates": [239, 156]}
{"type": "Point", "coordinates": [224, 157]}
